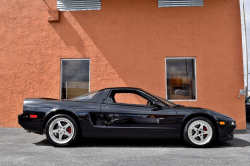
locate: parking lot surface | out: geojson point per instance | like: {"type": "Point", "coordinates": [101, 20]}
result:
{"type": "Point", "coordinates": [19, 148]}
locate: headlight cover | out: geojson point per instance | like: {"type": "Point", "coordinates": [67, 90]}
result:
{"type": "Point", "coordinates": [231, 122]}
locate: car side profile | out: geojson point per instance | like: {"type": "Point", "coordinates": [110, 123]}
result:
{"type": "Point", "coordinates": [112, 113]}
{"type": "Point", "coordinates": [247, 102]}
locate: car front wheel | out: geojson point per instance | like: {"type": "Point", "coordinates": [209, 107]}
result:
{"type": "Point", "coordinates": [199, 132]}
{"type": "Point", "coordinates": [62, 130]}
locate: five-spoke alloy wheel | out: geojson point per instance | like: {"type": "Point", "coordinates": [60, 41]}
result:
{"type": "Point", "coordinates": [62, 130]}
{"type": "Point", "coordinates": [199, 132]}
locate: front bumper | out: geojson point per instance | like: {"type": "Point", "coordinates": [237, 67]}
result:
{"type": "Point", "coordinates": [30, 124]}
{"type": "Point", "coordinates": [226, 132]}
{"type": "Point", "coordinates": [226, 137]}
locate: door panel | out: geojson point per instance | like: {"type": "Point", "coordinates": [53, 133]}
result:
{"type": "Point", "coordinates": [91, 120]}
{"type": "Point", "coordinates": [138, 120]}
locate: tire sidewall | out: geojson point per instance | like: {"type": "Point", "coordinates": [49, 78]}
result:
{"type": "Point", "coordinates": [185, 131]}
{"type": "Point", "coordinates": [76, 129]}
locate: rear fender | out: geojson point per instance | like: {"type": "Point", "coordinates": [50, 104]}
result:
{"type": "Point", "coordinates": [61, 111]}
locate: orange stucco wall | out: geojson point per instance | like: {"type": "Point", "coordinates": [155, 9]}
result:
{"type": "Point", "coordinates": [127, 42]}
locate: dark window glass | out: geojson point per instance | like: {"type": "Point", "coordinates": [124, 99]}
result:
{"type": "Point", "coordinates": [74, 77]}
{"type": "Point", "coordinates": [180, 79]}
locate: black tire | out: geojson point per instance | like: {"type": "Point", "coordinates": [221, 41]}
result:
{"type": "Point", "coordinates": [73, 132]}
{"type": "Point", "coordinates": [201, 139]}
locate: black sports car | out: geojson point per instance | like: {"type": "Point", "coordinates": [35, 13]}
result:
{"type": "Point", "coordinates": [104, 114]}
{"type": "Point", "coordinates": [247, 101]}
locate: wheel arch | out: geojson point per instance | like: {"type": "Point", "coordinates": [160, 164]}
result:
{"type": "Point", "coordinates": [61, 111]}
{"type": "Point", "coordinates": [211, 118]}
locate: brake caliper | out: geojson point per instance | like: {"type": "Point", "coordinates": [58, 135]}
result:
{"type": "Point", "coordinates": [68, 129]}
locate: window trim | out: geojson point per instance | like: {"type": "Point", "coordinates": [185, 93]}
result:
{"type": "Point", "coordinates": [61, 72]}
{"type": "Point", "coordinates": [139, 93]}
{"type": "Point", "coordinates": [129, 104]}
{"type": "Point", "coordinates": [166, 81]}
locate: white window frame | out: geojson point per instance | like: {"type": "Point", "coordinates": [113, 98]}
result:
{"type": "Point", "coordinates": [61, 74]}
{"type": "Point", "coordinates": [194, 58]}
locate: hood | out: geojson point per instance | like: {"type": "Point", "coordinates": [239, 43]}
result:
{"type": "Point", "coordinates": [202, 110]}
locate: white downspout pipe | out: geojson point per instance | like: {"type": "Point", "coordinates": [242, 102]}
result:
{"type": "Point", "coordinates": [244, 46]}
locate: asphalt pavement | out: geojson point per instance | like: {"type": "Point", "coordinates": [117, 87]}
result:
{"type": "Point", "coordinates": [19, 148]}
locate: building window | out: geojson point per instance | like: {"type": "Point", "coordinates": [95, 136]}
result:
{"type": "Point", "coordinates": [74, 5]}
{"type": "Point", "coordinates": [179, 3]}
{"type": "Point", "coordinates": [180, 78]}
{"type": "Point", "coordinates": [74, 77]}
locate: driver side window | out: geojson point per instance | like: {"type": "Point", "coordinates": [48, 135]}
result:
{"type": "Point", "coordinates": [128, 98]}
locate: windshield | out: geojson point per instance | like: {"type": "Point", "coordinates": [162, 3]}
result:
{"type": "Point", "coordinates": [85, 96]}
{"type": "Point", "coordinates": [166, 101]}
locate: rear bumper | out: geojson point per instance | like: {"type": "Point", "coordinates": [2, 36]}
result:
{"type": "Point", "coordinates": [30, 124]}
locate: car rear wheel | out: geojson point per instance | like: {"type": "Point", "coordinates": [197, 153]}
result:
{"type": "Point", "coordinates": [199, 132]}
{"type": "Point", "coordinates": [62, 130]}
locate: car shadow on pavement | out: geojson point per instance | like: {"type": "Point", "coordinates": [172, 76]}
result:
{"type": "Point", "coordinates": [237, 142]}
{"type": "Point", "coordinates": [150, 143]}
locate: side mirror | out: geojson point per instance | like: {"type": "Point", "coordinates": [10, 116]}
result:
{"type": "Point", "coordinates": [156, 105]}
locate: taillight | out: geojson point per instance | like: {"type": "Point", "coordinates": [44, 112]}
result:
{"type": "Point", "coordinates": [33, 116]}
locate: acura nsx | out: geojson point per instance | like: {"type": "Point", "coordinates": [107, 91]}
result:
{"type": "Point", "coordinates": [123, 113]}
